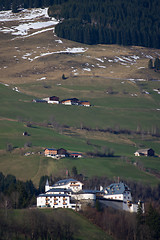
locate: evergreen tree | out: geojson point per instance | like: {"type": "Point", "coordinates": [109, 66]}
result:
{"type": "Point", "coordinates": [153, 221]}
{"type": "Point", "coordinates": [150, 64]}
{"type": "Point", "coordinates": [14, 6]}
{"type": "Point", "coordinates": [157, 64]}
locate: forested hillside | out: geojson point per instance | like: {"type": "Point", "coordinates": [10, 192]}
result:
{"type": "Point", "coordinates": [130, 22]}
{"type": "Point", "coordinates": [121, 22]}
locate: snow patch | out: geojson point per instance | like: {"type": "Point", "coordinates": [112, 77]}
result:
{"type": "Point", "coordinates": [42, 78]}
{"type": "Point", "coordinates": [59, 41]}
{"type": "Point", "coordinates": [87, 69]}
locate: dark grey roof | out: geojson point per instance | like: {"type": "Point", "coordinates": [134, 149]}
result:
{"type": "Point", "coordinates": [53, 195]}
{"type": "Point", "coordinates": [51, 148]}
{"type": "Point", "coordinates": [143, 150]}
{"type": "Point", "coordinates": [117, 188]}
{"type": "Point", "coordinates": [85, 192]}
{"type": "Point", "coordinates": [64, 182]}
{"type": "Point", "coordinates": [59, 190]}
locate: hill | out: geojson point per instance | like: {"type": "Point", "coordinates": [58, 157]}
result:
{"type": "Point", "coordinates": [109, 22]}
{"type": "Point", "coordinates": [57, 224]}
{"type": "Point", "coordinates": [123, 92]}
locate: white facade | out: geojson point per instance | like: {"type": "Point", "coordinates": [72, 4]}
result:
{"type": "Point", "coordinates": [67, 103]}
{"type": "Point", "coordinates": [126, 196]}
{"type": "Point", "coordinates": [66, 193]}
{"type": "Point", "coordinates": [132, 207]}
{"type": "Point", "coordinates": [136, 154]}
{"type": "Point", "coordinates": [118, 191]}
{"type": "Point", "coordinates": [72, 184]}
{"type": "Point", "coordinates": [118, 195]}
{"type": "Point", "coordinates": [53, 102]}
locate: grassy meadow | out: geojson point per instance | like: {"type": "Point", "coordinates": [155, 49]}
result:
{"type": "Point", "coordinates": [123, 96]}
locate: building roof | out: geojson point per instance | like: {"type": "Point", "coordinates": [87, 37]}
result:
{"type": "Point", "coordinates": [143, 150]}
{"type": "Point", "coordinates": [76, 154]}
{"type": "Point", "coordinates": [54, 98]}
{"type": "Point", "coordinates": [58, 190]}
{"type": "Point", "coordinates": [70, 99]}
{"type": "Point", "coordinates": [117, 188]}
{"type": "Point", "coordinates": [50, 149]}
{"type": "Point", "coordinates": [53, 195]}
{"type": "Point", "coordinates": [64, 182]}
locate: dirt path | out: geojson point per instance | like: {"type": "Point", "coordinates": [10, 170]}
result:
{"type": "Point", "coordinates": [8, 119]}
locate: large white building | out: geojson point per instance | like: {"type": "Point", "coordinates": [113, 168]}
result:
{"type": "Point", "coordinates": [67, 193]}
{"type": "Point", "coordinates": [118, 195]}
{"type": "Point", "coordinates": [118, 191]}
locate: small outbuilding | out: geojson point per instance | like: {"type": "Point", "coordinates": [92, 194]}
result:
{"type": "Point", "coordinates": [76, 155]}
{"type": "Point", "coordinates": [70, 101]}
{"type": "Point", "coordinates": [144, 152]}
{"type": "Point", "coordinates": [85, 103]}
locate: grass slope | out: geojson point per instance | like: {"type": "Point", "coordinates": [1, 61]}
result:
{"type": "Point", "coordinates": [117, 92]}
{"type": "Point", "coordinates": [81, 227]}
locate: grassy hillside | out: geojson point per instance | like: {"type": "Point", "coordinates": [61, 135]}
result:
{"type": "Point", "coordinates": [18, 109]}
{"type": "Point", "coordinates": [81, 228]}
{"type": "Point", "coordinates": [123, 92]}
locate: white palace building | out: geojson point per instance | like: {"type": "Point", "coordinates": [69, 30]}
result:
{"type": "Point", "coordinates": [69, 193]}
{"type": "Point", "coordinates": [65, 193]}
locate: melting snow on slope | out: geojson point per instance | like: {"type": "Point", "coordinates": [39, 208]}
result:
{"type": "Point", "coordinates": [67, 51]}
{"type": "Point", "coordinates": [25, 14]}
{"type": "Point", "coordinates": [26, 21]}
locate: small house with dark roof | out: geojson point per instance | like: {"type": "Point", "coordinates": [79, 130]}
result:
{"type": "Point", "coordinates": [70, 101]}
{"type": "Point", "coordinates": [56, 153]}
{"type": "Point", "coordinates": [53, 100]}
{"type": "Point", "coordinates": [84, 103]}
{"type": "Point", "coordinates": [144, 152]}
{"type": "Point", "coordinates": [76, 155]}
{"type": "Point", "coordinates": [62, 152]}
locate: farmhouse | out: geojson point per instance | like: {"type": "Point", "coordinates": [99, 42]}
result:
{"type": "Point", "coordinates": [84, 103]}
{"type": "Point", "coordinates": [144, 152]}
{"type": "Point", "coordinates": [65, 193]}
{"type": "Point", "coordinates": [53, 100]}
{"type": "Point", "coordinates": [70, 101]}
{"type": "Point", "coordinates": [55, 153]}
{"type": "Point", "coordinates": [50, 152]}
{"type": "Point", "coordinates": [76, 155]}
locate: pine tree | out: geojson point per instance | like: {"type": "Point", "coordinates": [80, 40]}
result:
{"type": "Point", "coordinates": [150, 64]}
{"type": "Point", "coordinates": [157, 64]}
{"type": "Point", "coordinates": [153, 221]}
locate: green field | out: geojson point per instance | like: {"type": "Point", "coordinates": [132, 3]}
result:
{"type": "Point", "coordinates": [116, 111]}
{"type": "Point", "coordinates": [81, 228]}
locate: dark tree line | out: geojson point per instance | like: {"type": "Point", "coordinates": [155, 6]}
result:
{"type": "Point", "coordinates": [154, 64]}
{"type": "Point", "coordinates": [35, 224]}
{"type": "Point", "coordinates": [15, 193]}
{"type": "Point", "coordinates": [16, 4]}
{"type": "Point", "coordinates": [123, 225]}
{"type": "Point", "coordinates": [130, 22]}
